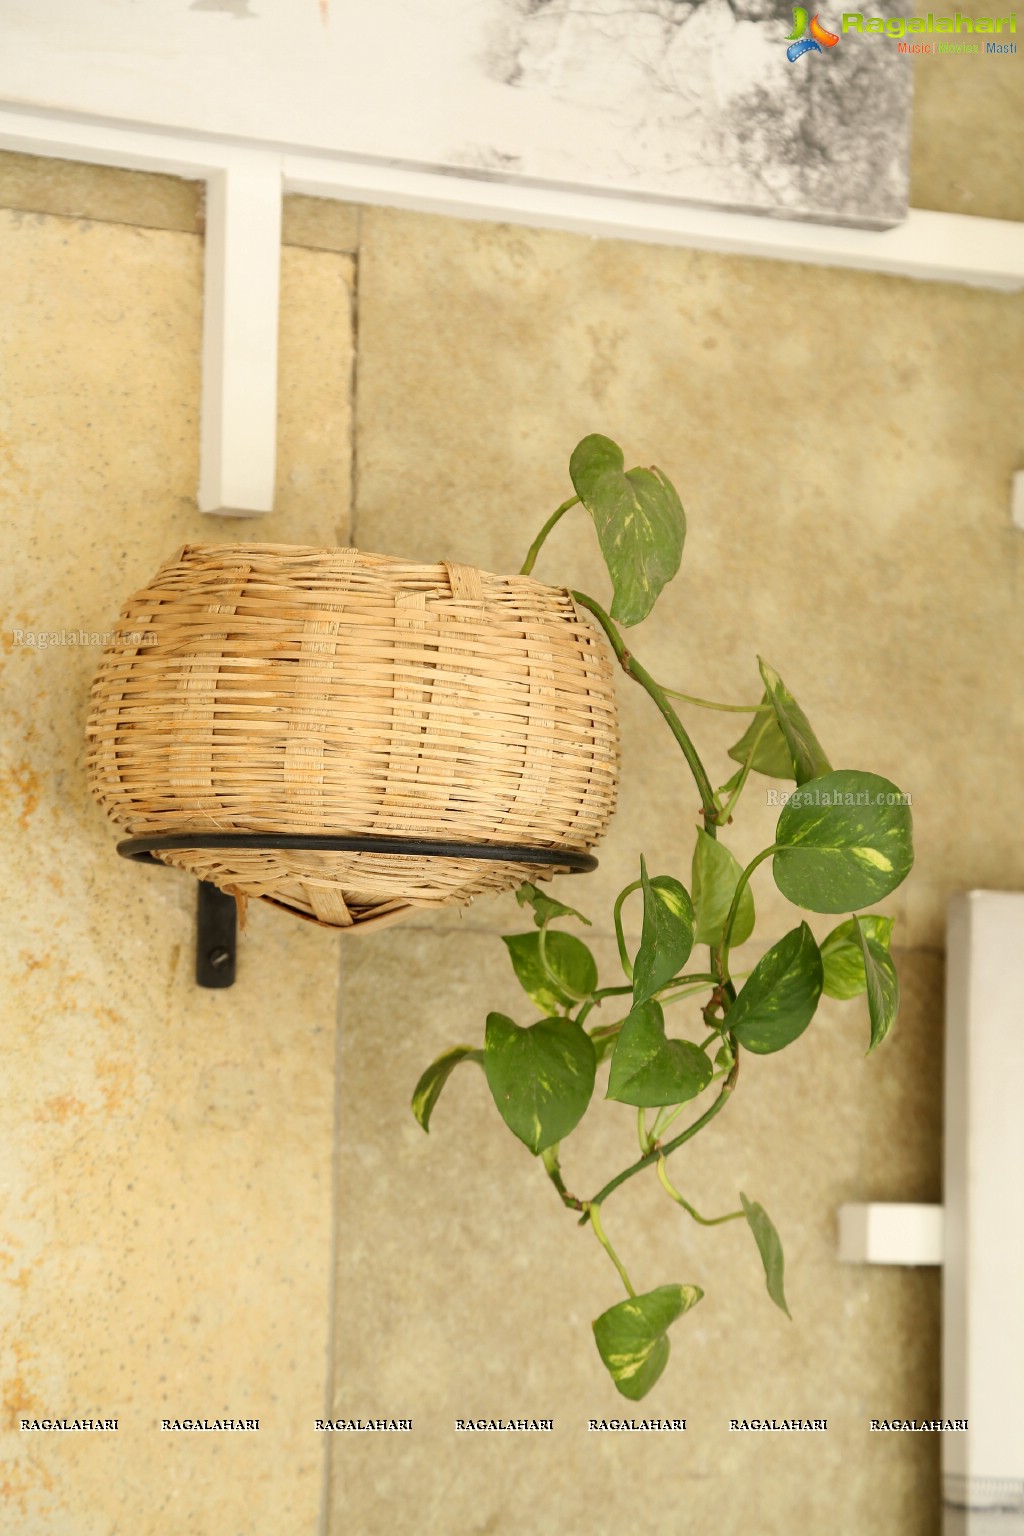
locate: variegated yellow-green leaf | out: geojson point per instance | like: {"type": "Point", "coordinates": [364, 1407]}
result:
{"type": "Point", "coordinates": [667, 936]}
{"type": "Point", "coordinates": [769, 1246]}
{"type": "Point", "coordinates": [716, 874]}
{"type": "Point", "coordinates": [883, 986]}
{"type": "Point", "coordinates": [808, 758]}
{"type": "Point", "coordinates": [640, 524]}
{"type": "Point", "coordinates": [843, 959]}
{"type": "Point", "coordinates": [772, 756]}
{"type": "Point", "coordinates": [778, 998]}
{"type": "Point", "coordinates": [650, 1071]}
{"type": "Point", "coordinates": [845, 841]}
{"type": "Point", "coordinates": [428, 1089]}
{"type": "Point", "coordinates": [572, 967]}
{"type": "Point", "coordinates": [631, 1336]}
{"type": "Point", "coordinates": [541, 1078]}
{"type": "Point", "coordinates": [545, 907]}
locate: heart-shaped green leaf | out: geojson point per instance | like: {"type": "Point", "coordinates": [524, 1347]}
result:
{"type": "Point", "coordinates": [716, 874]}
{"type": "Point", "coordinates": [883, 986]}
{"type": "Point", "coordinates": [809, 760]}
{"type": "Point", "coordinates": [572, 968]}
{"type": "Point", "coordinates": [631, 1336]}
{"type": "Point", "coordinates": [428, 1089]}
{"type": "Point", "coordinates": [541, 1078]}
{"type": "Point", "coordinates": [667, 935]}
{"type": "Point", "coordinates": [843, 958]}
{"type": "Point", "coordinates": [770, 1248]}
{"type": "Point", "coordinates": [648, 1070]}
{"type": "Point", "coordinates": [640, 524]}
{"type": "Point", "coordinates": [546, 907]}
{"type": "Point", "coordinates": [846, 840]}
{"type": "Point", "coordinates": [772, 756]}
{"type": "Point", "coordinates": [778, 998]}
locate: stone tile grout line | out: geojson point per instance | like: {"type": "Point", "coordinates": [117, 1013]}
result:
{"type": "Point", "coordinates": [357, 256]}
{"type": "Point", "coordinates": [325, 1522]}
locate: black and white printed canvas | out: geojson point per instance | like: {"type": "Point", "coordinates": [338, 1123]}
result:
{"type": "Point", "coordinates": [751, 105]}
{"type": "Point", "coordinates": [701, 100]}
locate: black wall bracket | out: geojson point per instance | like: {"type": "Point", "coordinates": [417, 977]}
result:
{"type": "Point", "coordinates": [217, 925]}
{"type": "Point", "coordinates": [216, 937]}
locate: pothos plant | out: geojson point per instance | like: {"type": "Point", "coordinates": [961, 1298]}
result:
{"type": "Point", "coordinates": [842, 843]}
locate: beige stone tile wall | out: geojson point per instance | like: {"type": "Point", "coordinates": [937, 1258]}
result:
{"type": "Point", "coordinates": [166, 1198]}
{"type": "Point", "coordinates": [967, 121]}
{"type": "Point", "coordinates": [844, 446]}
{"type": "Point", "coordinates": [37, 184]}
{"type": "Point", "coordinates": [465, 1289]}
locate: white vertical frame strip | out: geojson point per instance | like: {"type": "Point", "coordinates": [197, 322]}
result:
{"type": "Point", "coordinates": [238, 431]}
{"type": "Point", "coordinates": [983, 1273]}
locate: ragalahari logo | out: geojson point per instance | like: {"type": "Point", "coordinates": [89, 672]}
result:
{"type": "Point", "coordinates": [819, 37]}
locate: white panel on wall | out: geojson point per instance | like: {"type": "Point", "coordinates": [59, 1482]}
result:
{"type": "Point", "coordinates": [689, 100]}
{"type": "Point", "coordinates": [983, 1274]}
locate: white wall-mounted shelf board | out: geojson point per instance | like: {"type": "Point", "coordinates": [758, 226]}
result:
{"type": "Point", "coordinates": [246, 180]}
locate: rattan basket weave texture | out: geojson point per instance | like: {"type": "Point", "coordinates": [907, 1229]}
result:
{"type": "Point", "coordinates": [276, 688]}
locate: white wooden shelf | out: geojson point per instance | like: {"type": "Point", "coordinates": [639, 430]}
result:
{"type": "Point", "coordinates": [246, 180]}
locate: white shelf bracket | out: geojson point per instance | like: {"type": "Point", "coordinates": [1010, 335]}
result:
{"type": "Point", "coordinates": [244, 190]}
{"type": "Point", "coordinates": [238, 424]}
{"type": "Point", "coordinates": [891, 1234]}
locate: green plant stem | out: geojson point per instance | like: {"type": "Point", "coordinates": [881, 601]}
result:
{"type": "Point", "coordinates": [675, 997]}
{"type": "Point", "coordinates": [558, 982]}
{"type": "Point", "coordinates": [595, 999]}
{"type": "Point", "coordinates": [591, 1210]}
{"type": "Point", "coordinates": [620, 938]}
{"type": "Point", "coordinates": [670, 1113]}
{"type": "Point", "coordinates": [741, 885]}
{"type": "Point", "coordinates": [643, 1135]}
{"type": "Point", "coordinates": [666, 1151]}
{"type": "Point", "coordinates": [730, 805]}
{"type": "Point", "coordinates": [552, 1167]}
{"type": "Point", "coordinates": [705, 1221]}
{"type": "Point", "coordinates": [732, 709]}
{"type": "Point", "coordinates": [639, 674]}
{"type": "Point", "coordinates": [605, 1030]}
{"type": "Point", "coordinates": [534, 549]}
{"type": "Point", "coordinates": [695, 976]}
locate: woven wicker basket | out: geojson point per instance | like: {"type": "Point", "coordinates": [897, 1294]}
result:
{"type": "Point", "coordinates": [270, 688]}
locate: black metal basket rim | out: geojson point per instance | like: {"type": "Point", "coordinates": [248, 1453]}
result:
{"type": "Point", "coordinates": [142, 849]}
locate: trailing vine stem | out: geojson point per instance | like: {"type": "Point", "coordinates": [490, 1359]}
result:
{"type": "Point", "coordinates": [558, 982]}
{"type": "Point", "coordinates": [730, 805]}
{"type": "Point", "coordinates": [534, 549]}
{"type": "Point", "coordinates": [620, 937]}
{"type": "Point", "coordinates": [639, 674]}
{"type": "Point", "coordinates": [595, 1221]}
{"type": "Point", "coordinates": [677, 1141]}
{"type": "Point", "coordinates": [705, 1221]}
{"type": "Point", "coordinates": [595, 1000]}
{"type": "Point", "coordinates": [730, 709]}
{"type": "Point", "coordinates": [552, 1167]}
{"type": "Point", "coordinates": [741, 885]}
